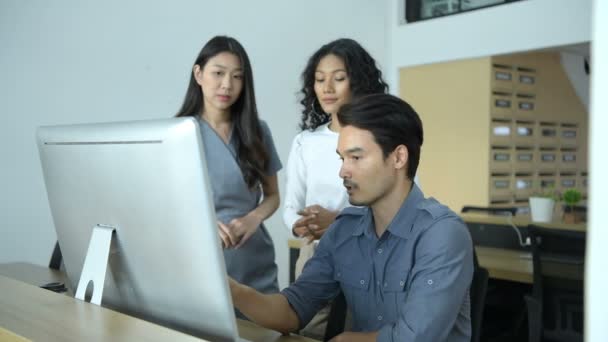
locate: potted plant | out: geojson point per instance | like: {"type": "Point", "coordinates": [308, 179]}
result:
{"type": "Point", "coordinates": [571, 198]}
{"type": "Point", "coordinates": [542, 205]}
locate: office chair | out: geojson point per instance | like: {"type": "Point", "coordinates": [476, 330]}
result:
{"type": "Point", "coordinates": [555, 308]}
{"type": "Point", "coordinates": [336, 318]}
{"type": "Point", "coordinates": [477, 293]}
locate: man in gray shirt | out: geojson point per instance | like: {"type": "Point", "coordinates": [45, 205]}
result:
{"type": "Point", "coordinates": [403, 262]}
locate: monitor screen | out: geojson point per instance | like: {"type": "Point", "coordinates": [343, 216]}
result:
{"type": "Point", "coordinates": [148, 180]}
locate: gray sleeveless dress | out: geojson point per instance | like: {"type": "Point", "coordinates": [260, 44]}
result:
{"type": "Point", "coordinates": [253, 264]}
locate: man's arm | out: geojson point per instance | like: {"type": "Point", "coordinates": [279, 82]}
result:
{"type": "Point", "coordinates": [270, 311]}
{"type": "Point", "coordinates": [441, 277]}
{"type": "Point", "coordinates": [355, 337]}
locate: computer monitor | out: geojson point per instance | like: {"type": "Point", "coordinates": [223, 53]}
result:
{"type": "Point", "coordinates": [148, 180]}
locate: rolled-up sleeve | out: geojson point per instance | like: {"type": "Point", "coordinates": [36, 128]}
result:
{"type": "Point", "coordinates": [439, 286]}
{"type": "Point", "coordinates": [316, 286]}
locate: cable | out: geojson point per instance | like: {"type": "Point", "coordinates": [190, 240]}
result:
{"type": "Point", "coordinates": [519, 237]}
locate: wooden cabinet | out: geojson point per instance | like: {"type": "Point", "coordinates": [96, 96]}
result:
{"type": "Point", "coordinates": [497, 129]}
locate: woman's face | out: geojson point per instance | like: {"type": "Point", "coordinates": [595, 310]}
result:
{"type": "Point", "coordinates": [332, 85]}
{"type": "Point", "coordinates": [221, 81]}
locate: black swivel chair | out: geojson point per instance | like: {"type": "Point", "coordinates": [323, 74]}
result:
{"type": "Point", "coordinates": [477, 292]}
{"type": "Point", "coordinates": [336, 318]}
{"type": "Point", "coordinates": [555, 307]}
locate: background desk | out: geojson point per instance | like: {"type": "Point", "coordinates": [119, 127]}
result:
{"type": "Point", "coordinates": [499, 251]}
{"type": "Point", "coordinates": [42, 315]}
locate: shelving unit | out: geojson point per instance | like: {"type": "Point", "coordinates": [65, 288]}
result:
{"type": "Point", "coordinates": [498, 129]}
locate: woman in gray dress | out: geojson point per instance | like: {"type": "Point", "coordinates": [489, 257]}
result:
{"type": "Point", "coordinates": [241, 157]}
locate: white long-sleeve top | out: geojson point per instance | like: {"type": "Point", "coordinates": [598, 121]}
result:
{"type": "Point", "coordinates": [313, 176]}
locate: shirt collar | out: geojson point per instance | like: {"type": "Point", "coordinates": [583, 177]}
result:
{"type": "Point", "coordinates": [401, 225]}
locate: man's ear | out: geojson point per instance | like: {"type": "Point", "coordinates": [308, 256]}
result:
{"type": "Point", "coordinates": [401, 156]}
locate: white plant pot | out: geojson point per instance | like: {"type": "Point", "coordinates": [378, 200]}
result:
{"type": "Point", "coordinates": [541, 209]}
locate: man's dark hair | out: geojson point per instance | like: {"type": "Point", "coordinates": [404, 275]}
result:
{"type": "Point", "coordinates": [391, 121]}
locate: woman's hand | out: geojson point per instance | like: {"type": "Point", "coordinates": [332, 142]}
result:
{"type": "Point", "coordinates": [314, 222]}
{"type": "Point", "coordinates": [239, 230]}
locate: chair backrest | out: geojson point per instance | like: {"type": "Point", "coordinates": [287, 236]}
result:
{"type": "Point", "coordinates": [558, 261]}
{"type": "Point", "coordinates": [554, 247]}
{"type": "Point", "coordinates": [490, 210]}
{"type": "Point", "coordinates": [336, 318]}
{"type": "Point", "coordinates": [477, 293]}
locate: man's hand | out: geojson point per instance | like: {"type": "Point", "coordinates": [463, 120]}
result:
{"type": "Point", "coordinates": [314, 222]}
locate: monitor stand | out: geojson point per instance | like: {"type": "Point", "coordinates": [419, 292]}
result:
{"type": "Point", "coordinates": [96, 263]}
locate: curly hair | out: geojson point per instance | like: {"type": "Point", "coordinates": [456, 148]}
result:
{"type": "Point", "coordinates": [365, 78]}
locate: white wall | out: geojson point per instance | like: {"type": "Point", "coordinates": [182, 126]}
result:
{"type": "Point", "coordinates": [573, 65]}
{"type": "Point", "coordinates": [70, 61]}
{"type": "Point", "coordinates": [520, 26]}
{"type": "Point", "coordinates": [596, 301]}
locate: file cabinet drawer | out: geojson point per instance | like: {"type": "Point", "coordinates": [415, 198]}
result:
{"type": "Point", "coordinates": [568, 134]}
{"type": "Point", "coordinates": [568, 158]}
{"type": "Point", "coordinates": [566, 180]}
{"type": "Point", "coordinates": [501, 105]}
{"type": "Point", "coordinates": [525, 80]}
{"type": "Point", "coordinates": [501, 159]}
{"type": "Point", "coordinates": [524, 159]}
{"type": "Point", "coordinates": [502, 77]}
{"type": "Point", "coordinates": [523, 132]}
{"type": "Point", "coordinates": [525, 106]}
{"type": "Point", "coordinates": [523, 184]}
{"type": "Point", "coordinates": [546, 181]}
{"type": "Point", "coordinates": [501, 185]}
{"type": "Point", "coordinates": [546, 133]}
{"type": "Point", "coordinates": [501, 132]}
{"type": "Point", "coordinates": [547, 158]}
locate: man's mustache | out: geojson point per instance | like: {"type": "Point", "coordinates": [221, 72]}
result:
{"type": "Point", "coordinates": [349, 184]}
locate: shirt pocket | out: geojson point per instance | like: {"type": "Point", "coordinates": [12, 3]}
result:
{"type": "Point", "coordinates": [354, 283]}
{"type": "Point", "coordinates": [352, 277]}
{"type": "Point", "coordinates": [394, 290]}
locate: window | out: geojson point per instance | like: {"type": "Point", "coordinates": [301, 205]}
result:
{"type": "Point", "coordinates": [416, 10]}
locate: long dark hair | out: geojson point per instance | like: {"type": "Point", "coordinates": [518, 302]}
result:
{"type": "Point", "coordinates": [251, 152]}
{"type": "Point", "coordinates": [391, 121]}
{"type": "Point", "coordinates": [365, 78]}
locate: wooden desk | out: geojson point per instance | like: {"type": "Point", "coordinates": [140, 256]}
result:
{"type": "Point", "coordinates": [42, 315]}
{"type": "Point", "coordinates": [498, 249]}
{"type": "Point", "coordinates": [506, 264]}
{"type": "Point", "coordinates": [520, 221]}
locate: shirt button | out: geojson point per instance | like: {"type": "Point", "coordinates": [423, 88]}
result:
{"type": "Point", "coordinates": [430, 282]}
{"type": "Point", "coordinates": [339, 274]}
{"type": "Point", "coordinates": [385, 284]}
{"type": "Point", "coordinates": [379, 318]}
{"type": "Point", "coordinates": [379, 250]}
{"type": "Point", "coordinates": [401, 283]}
{"type": "Point", "coordinates": [362, 281]}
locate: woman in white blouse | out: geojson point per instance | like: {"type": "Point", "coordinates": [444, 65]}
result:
{"type": "Point", "coordinates": [334, 74]}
